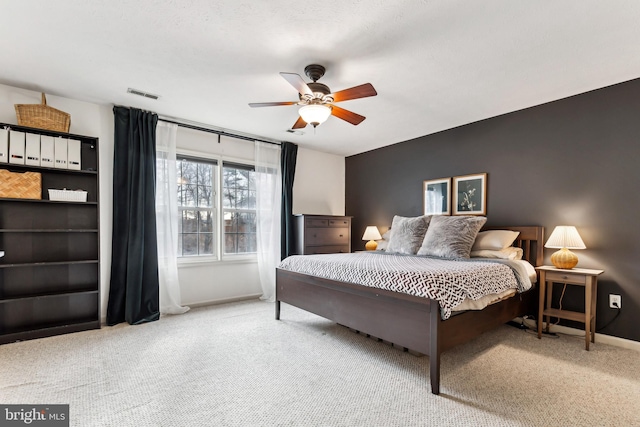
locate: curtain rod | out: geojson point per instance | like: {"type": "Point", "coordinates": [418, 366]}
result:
{"type": "Point", "coordinates": [218, 132]}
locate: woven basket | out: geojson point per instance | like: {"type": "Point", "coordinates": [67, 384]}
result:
{"type": "Point", "coordinates": [41, 116]}
{"type": "Point", "coordinates": [14, 185]}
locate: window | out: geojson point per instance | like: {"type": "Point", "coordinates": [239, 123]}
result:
{"type": "Point", "coordinates": [239, 208]}
{"type": "Point", "coordinates": [202, 187]}
{"type": "Point", "coordinates": [197, 206]}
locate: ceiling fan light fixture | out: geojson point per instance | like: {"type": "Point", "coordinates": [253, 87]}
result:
{"type": "Point", "coordinates": [315, 114]}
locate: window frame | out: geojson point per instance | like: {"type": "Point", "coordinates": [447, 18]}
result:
{"type": "Point", "coordinates": [220, 256]}
{"type": "Point", "coordinates": [254, 210]}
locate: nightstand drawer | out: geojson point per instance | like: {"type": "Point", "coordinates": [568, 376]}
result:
{"type": "Point", "coordinates": [562, 277]}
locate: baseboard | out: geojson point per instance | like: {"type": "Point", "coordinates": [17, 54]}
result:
{"type": "Point", "coordinates": [103, 319]}
{"type": "Point", "coordinates": [600, 338]}
{"type": "Point", "coordinates": [222, 301]}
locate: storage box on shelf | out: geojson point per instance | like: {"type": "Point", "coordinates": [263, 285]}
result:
{"type": "Point", "coordinates": [49, 275]}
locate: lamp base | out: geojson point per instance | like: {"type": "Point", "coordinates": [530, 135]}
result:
{"type": "Point", "coordinates": [564, 259]}
{"type": "Point", "coordinates": [371, 245]}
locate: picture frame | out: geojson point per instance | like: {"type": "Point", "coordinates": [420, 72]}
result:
{"type": "Point", "coordinates": [436, 195]}
{"type": "Point", "coordinates": [470, 194]}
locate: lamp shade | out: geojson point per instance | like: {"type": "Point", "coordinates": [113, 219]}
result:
{"type": "Point", "coordinates": [315, 114]}
{"type": "Point", "coordinates": [371, 234]}
{"type": "Point", "coordinates": [565, 236]}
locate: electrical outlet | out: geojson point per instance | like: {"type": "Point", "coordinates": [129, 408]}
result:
{"type": "Point", "coordinates": [615, 301]}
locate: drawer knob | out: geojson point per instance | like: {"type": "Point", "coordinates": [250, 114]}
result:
{"type": "Point", "coordinates": [565, 277]}
{"type": "Point", "coordinates": [341, 235]}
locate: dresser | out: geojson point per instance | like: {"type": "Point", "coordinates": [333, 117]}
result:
{"type": "Point", "coordinates": [322, 234]}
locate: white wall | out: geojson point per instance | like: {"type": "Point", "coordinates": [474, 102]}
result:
{"type": "Point", "coordinates": [318, 189]}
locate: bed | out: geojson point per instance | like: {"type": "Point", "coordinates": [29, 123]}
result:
{"type": "Point", "coordinates": [408, 321]}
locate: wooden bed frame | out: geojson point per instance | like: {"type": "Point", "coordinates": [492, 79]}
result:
{"type": "Point", "coordinates": [405, 320]}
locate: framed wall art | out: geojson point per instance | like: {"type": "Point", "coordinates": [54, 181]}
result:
{"type": "Point", "coordinates": [470, 194]}
{"type": "Point", "coordinates": [436, 193]}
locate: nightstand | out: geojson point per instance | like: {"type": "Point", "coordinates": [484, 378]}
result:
{"type": "Point", "coordinates": [578, 277]}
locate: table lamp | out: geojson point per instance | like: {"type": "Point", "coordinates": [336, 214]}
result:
{"type": "Point", "coordinates": [565, 237]}
{"type": "Point", "coordinates": [371, 234]}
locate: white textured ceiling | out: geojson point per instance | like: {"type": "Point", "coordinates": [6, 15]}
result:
{"type": "Point", "coordinates": [435, 64]}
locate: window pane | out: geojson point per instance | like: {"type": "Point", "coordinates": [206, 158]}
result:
{"type": "Point", "coordinates": [230, 222]}
{"type": "Point", "coordinates": [246, 243]}
{"type": "Point", "coordinates": [242, 199]}
{"type": "Point", "coordinates": [206, 222]}
{"type": "Point", "coordinates": [246, 222]}
{"type": "Point", "coordinates": [206, 244]}
{"type": "Point", "coordinates": [252, 200]}
{"type": "Point", "coordinates": [190, 244]}
{"type": "Point", "coordinates": [189, 195]}
{"type": "Point", "coordinates": [189, 172]}
{"type": "Point", "coordinates": [205, 196]}
{"type": "Point", "coordinates": [243, 179]}
{"type": "Point", "coordinates": [229, 196]}
{"type": "Point", "coordinates": [189, 221]}
{"type": "Point", "coordinates": [230, 243]}
{"type": "Point", "coordinates": [205, 173]}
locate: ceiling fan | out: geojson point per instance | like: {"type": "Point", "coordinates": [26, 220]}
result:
{"type": "Point", "coordinates": [317, 100]}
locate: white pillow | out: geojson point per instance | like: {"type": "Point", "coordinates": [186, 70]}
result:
{"type": "Point", "coordinates": [382, 244]}
{"type": "Point", "coordinates": [494, 240]}
{"type": "Point", "coordinates": [506, 253]}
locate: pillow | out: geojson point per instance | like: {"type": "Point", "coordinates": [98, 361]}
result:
{"type": "Point", "coordinates": [494, 240]}
{"type": "Point", "coordinates": [407, 234]}
{"type": "Point", "coordinates": [382, 244]}
{"type": "Point", "coordinates": [506, 253]}
{"type": "Point", "coordinates": [451, 236]}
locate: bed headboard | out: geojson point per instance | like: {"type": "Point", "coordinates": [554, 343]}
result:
{"type": "Point", "coordinates": [530, 239]}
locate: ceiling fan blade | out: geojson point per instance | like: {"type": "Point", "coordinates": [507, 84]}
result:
{"type": "Point", "coordinates": [299, 124]}
{"type": "Point", "coordinates": [346, 115]}
{"type": "Point", "coordinates": [296, 81]}
{"type": "Point", "coordinates": [356, 92]}
{"type": "Point", "coordinates": [269, 104]}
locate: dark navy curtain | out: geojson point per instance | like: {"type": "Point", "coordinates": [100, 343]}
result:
{"type": "Point", "coordinates": [289, 155]}
{"type": "Point", "coordinates": [134, 289]}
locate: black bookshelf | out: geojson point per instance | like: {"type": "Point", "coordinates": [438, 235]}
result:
{"type": "Point", "coordinates": [50, 272]}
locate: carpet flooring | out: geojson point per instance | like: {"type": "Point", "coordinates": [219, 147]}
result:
{"type": "Point", "coordinates": [234, 365]}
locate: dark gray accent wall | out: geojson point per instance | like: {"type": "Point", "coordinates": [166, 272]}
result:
{"type": "Point", "coordinates": [575, 161]}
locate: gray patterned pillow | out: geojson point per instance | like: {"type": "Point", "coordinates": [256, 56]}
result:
{"type": "Point", "coordinates": [451, 236]}
{"type": "Point", "coordinates": [407, 234]}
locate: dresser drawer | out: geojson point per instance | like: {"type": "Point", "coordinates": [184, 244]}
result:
{"type": "Point", "coordinates": [562, 277]}
{"type": "Point", "coordinates": [327, 236]}
{"type": "Point", "coordinates": [317, 222]}
{"type": "Point", "coordinates": [340, 223]}
{"type": "Point", "coordinates": [330, 249]}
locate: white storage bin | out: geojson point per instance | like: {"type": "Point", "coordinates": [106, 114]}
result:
{"type": "Point", "coordinates": [68, 195]}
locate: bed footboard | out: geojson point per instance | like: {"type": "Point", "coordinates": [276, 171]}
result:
{"type": "Point", "coordinates": [404, 320]}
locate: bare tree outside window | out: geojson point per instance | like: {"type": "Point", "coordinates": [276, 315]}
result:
{"type": "Point", "coordinates": [196, 203]}
{"type": "Point", "coordinates": [239, 209]}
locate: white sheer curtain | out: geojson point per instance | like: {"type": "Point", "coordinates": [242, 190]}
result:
{"type": "Point", "coordinates": [268, 199]}
{"type": "Point", "coordinates": [167, 218]}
